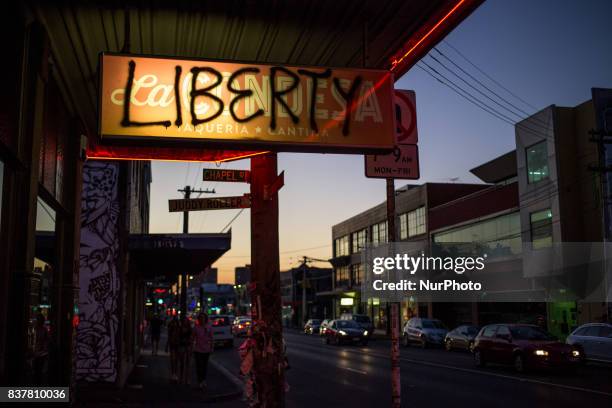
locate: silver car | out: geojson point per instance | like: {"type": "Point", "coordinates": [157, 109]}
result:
{"type": "Point", "coordinates": [595, 341]}
{"type": "Point", "coordinates": [424, 332]}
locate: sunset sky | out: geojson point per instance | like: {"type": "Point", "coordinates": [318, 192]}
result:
{"type": "Point", "coordinates": [506, 39]}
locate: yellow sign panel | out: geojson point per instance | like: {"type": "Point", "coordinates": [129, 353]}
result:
{"type": "Point", "coordinates": [246, 105]}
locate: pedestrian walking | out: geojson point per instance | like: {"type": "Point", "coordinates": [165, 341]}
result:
{"type": "Point", "coordinates": [203, 347]}
{"type": "Point", "coordinates": [184, 350]}
{"type": "Point", "coordinates": [172, 347]}
{"type": "Point", "coordinates": [156, 325]}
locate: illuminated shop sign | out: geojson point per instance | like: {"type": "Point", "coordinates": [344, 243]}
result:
{"type": "Point", "coordinates": [246, 105]}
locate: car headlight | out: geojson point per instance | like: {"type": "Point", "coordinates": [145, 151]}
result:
{"type": "Point", "coordinates": [542, 353]}
{"type": "Point", "coordinates": [342, 333]}
{"type": "Point", "coordinates": [365, 332]}
{"type": "Point", "coordinates": [575, 353]}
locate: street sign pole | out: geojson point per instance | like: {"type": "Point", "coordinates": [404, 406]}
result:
{"type": "Point", "coordinates": [395, 354]}
{"type": "Point", "coordinates": [268, 365]}
{"type": "Point", "coordinates": [187, 194]}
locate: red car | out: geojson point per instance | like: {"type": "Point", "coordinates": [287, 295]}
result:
{"type": "Point", "coordinates": [523, 346]}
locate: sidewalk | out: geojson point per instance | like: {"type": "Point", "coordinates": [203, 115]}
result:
{"type": "Point", "coordinates": [148, 386]}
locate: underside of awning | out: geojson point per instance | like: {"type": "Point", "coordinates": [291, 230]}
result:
{"type": "Point", "coordinates": [384, 34]}
{"type": "Point", "coordinates": [155, 255]}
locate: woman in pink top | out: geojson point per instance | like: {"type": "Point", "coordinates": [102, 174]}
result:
{"type": "Point", "coordinates": [203, 339]}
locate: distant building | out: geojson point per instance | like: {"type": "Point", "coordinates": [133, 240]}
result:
{"type": "Point", "coordinates": [242, 275]}
{"type": "Point", "coordinates": [316, 284]}
{"type": "Point", "coordinates": [210, 275]}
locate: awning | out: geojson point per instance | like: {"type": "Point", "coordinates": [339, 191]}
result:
{"type": "Point", "coordinates": [154, 255]}
{"type": "Point", "coordinates": [384, 34]}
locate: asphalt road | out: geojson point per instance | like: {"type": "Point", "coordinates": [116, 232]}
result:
{"type": "Point", "coordinates": [355, 376]}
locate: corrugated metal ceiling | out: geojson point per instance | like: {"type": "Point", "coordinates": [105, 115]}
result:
{"type": "Point", "coordinates": [319, 32]}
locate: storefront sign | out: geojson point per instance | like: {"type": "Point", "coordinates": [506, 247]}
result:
{"type": "Point", "coordinates": [237, 176]}
{"type": "Point", "coordinates": [246, 106]}
{"type": "Point", "coordinates": [346, 301]}
{"type": "Point", "coordinates": [199, 204]}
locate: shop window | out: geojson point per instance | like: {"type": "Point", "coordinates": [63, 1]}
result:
{"type": "Point", "coordinates": [537, 162]}
{"type": "Point", "coordinates": [41, 324]}
{"type": "Point", "coordinates": [541, 229]}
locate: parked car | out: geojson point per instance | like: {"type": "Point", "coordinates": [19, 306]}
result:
{"type": "Point", "coordinates": [424, 332]}
{"type": "Point", "coordinates": [323, 326]}
{"type": "Point", "coordinates": [523, 346]}
{"type": "Point", "coordinates": [461, 337]}
{"type": "Point", "coordinates": [594, 340]}
{"type": "Point", "coordinates": [345, 331]}
{"type": "Point", "coordinates": [241, 326]}
{"type": "Point", "coordinates": [363, 321]}
{"type": "Point", "coordinates": [312, 326]}
{"type": "Point", "coordinates": [222, 330]}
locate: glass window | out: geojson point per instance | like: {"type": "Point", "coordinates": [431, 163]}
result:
{"type": "Point", "coordinates": [359, 240]}
{"type": "Point", "coordinates": [489, 331]}
{"type": "Point", "coordinates": [403, 219]}
{"type": "Point", "coordinates": [357, 272]}
{"type": "Point", "coordinates": [342, 246]}
{"type": "Point", "coordinates": [379, 233]}
{"type": "Point", "coordinates": [342, 276]}
{"type": "Point", "coordinates": [541, 229]}
{"type": "Point", "coordinates": [592, 331]}
{"type": "Point", "coordinates": [537, 162]}
{"type": "Point", "coordinates": [499, 236]}
{"type": "Point", "coordinates": [416, 222]}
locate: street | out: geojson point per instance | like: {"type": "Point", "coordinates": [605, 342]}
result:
{"type": "Point", "coordinates": [350, 376]}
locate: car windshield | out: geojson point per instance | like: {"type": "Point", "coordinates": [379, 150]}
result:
{"type": "Point", "coordinates": [361, 319]}
{"type": "Point", "coordinates": [472, 330]}
{"type": "Point", "coordinates": [346, 324]}
{"type": "Point", "coordinates": [530, 333]}
{"type": "Point", "coordinates": [432, 324]}
{"type": "Point", "coordinates": [315, 321]}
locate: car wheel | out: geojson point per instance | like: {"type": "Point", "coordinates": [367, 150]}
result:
{"type": "Point", "coordinates": [447, 345]}
{"type": "Point", "coordinates": [478, 359]}
{"type": "Point", "coordinates": [405, 341]}
{"type": "Point", "coordinates": [519, 363]}
{"type": "Point", "coordinates": [423, 342]}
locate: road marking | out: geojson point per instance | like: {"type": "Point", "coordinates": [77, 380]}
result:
{"type": "Point", "coordinates": [362, 351]}
{"type": "Point", "coordinates": [230, 376]}
{"type": "Point", "coordinates": [509, 377]}
{"type": "Point", "coordinates": [142, 366]}
{"type": "Point", "coordinates": [353, 370]}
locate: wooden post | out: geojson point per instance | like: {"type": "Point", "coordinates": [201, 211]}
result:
{"type": "Point", "coordinates": [394, 318]}
{"type": "Point", "coordinates": [268, 363]}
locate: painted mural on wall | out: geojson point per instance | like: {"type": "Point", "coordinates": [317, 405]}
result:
{"type": "Point", "coordinates": [96, 345]}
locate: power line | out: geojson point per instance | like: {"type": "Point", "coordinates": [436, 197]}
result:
{"type": "Point", "coordinates": [232, 220]}
{"type": "Point", "coordinates": [488, 76]}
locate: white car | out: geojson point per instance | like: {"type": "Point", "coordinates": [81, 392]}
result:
{"type": "Point", "coordinates": [595, 340]}
{"type": "Point", "coordinates": [222, 330]}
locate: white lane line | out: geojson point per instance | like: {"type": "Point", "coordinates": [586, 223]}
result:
{"type": "Point", "coordinates": [475, 371]}
{"type": "Point", "coordinates": [353, 370]}
{"type": "Point", "coordinates": [227, 373]}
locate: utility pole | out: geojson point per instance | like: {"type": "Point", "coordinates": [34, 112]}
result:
{"type": "Point", "coordinates": [268, 353]}
{"type": "Point", "coordinates": [187, 194]}
{"type": "Point", "coordinates": [395, 363]}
